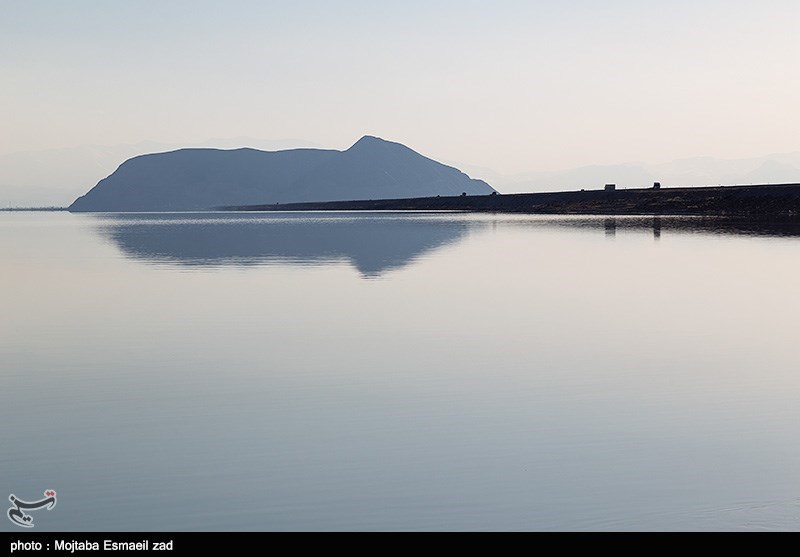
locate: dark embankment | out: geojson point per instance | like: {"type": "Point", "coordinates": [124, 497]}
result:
{"type": "Point", "coordinates": [771, 200]}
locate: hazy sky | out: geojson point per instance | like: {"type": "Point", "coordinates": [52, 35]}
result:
{"type": "Point", "coordinates": [514, 86]}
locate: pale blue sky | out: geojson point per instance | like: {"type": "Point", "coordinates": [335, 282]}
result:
{"type": "Point", "coordinates": [514, 86]}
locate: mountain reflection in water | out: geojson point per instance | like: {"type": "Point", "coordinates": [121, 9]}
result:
{"type": "Point", "coordinates": [373, 244]}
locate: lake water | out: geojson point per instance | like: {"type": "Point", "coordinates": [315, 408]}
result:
{"type": "Point", "coordinates": [347, 371]}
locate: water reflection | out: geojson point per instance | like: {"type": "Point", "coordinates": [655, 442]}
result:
{"type": "Point", "coordinates": [658, 225]}
{"type": "Point", "coordinates": [373, 244]}
{"type": "Point", "coordinates": [610, 225]}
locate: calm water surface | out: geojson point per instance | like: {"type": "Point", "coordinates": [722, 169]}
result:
{"type": "Point", "coordinates": [399, 371]}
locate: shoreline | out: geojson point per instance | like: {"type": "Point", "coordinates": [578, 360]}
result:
{"type": "Point", "coordinates": [32, 209]}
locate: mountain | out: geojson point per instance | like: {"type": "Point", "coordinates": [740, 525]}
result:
{"type": "Point", "coordinates": [201, 179]}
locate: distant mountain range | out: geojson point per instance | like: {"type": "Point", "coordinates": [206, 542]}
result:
{"type": "Point", "coordinates": [698, 171]}
{"type": "Point", "coordinates": [201, 179]}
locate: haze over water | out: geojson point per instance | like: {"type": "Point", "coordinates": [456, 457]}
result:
{"type": "Point", "coordinates": [399, 371]}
